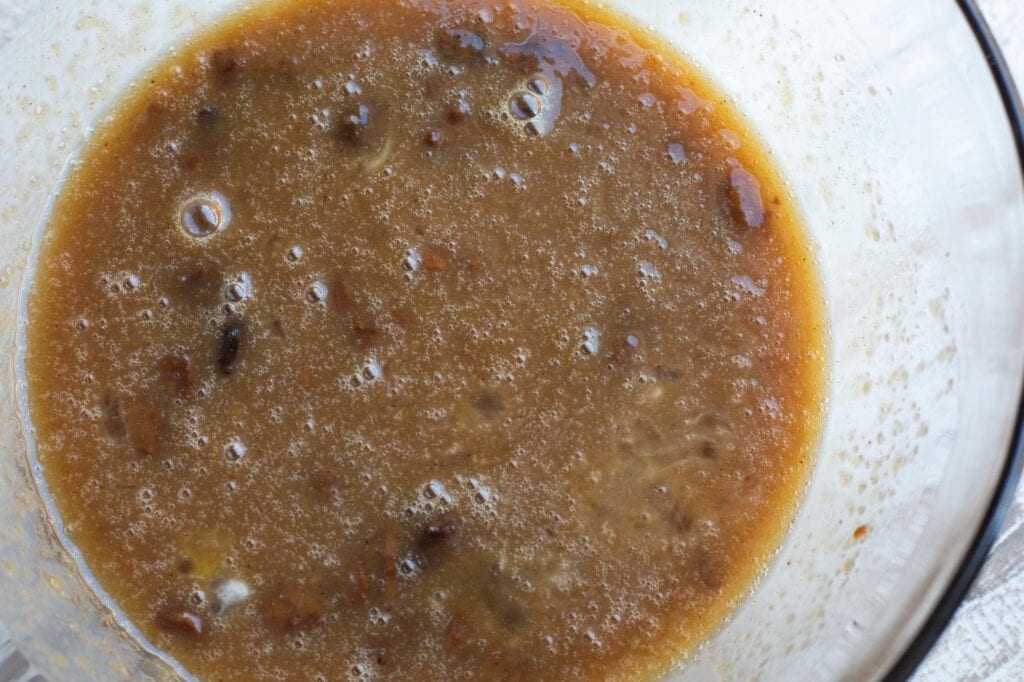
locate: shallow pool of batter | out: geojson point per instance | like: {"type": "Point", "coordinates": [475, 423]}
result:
{"type": "Point", "coordinates": [423, 339]}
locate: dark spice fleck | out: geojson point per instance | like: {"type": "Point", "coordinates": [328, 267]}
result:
{"type": "Point", "coordinates": [680, 519]}
{"type": "Point", "coordinates": [489, 403]}
{"type": "Point", "coordinates": [708, 450]}
{"type": "Point", "coordinates": [324, 480]}
{"type": "Point", "coordinates": [434, 542]}
{"type": "Point", "coordinates": [433, 138]}
{"type": "Point", "coordinates": [453, 634]}
{"type": "Point", "coordinates": [181, 621]}
{"type": "Point", "coordinates": [207, 116]}
{"type": "Point", "coordinates": [353, 127]}
{"type": "Point", "coordinates": [364, 329]}
{"type": "Point", "coordinates": [230, 344]}
{"type": "Point", "coordinates": [711, 572]}
{"type": "Point", "coordinates": [358, 586]}
{"type": "Point", "coordinates": [151, 115]}
{"type": "Point", "coordinates": [458, 43]}
{"type": "Point", "coordinates": [338, 295]}
{"type": "Point", "coordinates": [293, 608]}
{"type": "Point", "coordinates": [179, 374]}
{"type": "Point", "coordinates": [745, 197]}
{"type": "Point", "coordinates": [200, 286]}
{"type": "Point", "coordinates": [113, 417]}
{"type": "Point", "coordinates": [439, 531]}
{"type": "Point", "coordinates": [225, 64]}
{"type": "Point", "coordinates": [459, 111]}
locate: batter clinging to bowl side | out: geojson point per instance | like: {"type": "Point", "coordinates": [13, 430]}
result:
{"type": "Point", "coordinates": [424, 340]}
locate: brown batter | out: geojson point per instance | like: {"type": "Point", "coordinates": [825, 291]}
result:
{"type": "Point", "coordinates": [425, 340]}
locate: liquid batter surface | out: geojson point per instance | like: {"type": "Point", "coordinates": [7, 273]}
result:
{"type": "Point", "coordinates": [424, 340]}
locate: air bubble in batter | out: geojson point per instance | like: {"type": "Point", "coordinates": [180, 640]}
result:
{"type": "Point", "coordinates": [205, 214]}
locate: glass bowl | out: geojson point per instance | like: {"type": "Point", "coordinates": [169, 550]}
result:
{"type": "Point", "coordinates": [899, 131]}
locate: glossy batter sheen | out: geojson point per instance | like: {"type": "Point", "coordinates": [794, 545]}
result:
{"type": "Point", "coordinates": [424, 340]}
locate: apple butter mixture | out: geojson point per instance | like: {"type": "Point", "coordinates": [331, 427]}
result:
{"type": "Point", "coordinates": [425, 339]}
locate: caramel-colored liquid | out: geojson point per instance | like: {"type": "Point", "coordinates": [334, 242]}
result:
{"type": "Point", "coordinates": [425, 340]}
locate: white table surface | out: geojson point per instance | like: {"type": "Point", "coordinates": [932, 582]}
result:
{"type": "Point", "coordinates": [985, 641]}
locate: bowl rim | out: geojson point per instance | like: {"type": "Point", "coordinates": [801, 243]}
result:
{"type": "Point", "coordinates": [992, 521]}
